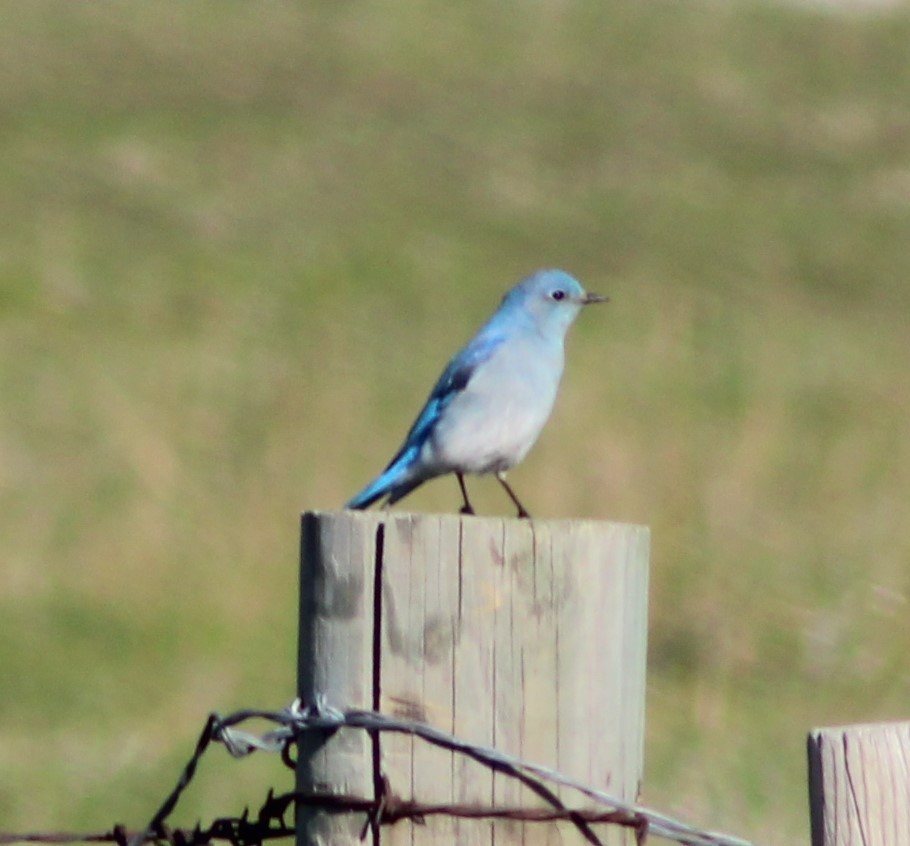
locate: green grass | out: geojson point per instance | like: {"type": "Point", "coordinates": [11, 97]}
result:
{"type": "Point", "coordinates": [221, 221]}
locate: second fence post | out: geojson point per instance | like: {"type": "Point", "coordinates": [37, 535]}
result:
{"type": "Point", "coordinates": [859, 785]}
{"type": "Point", "coordinates": [525, 636]}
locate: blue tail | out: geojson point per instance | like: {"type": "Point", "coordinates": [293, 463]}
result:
{"type": "Point", "coordinates": [396, 481]}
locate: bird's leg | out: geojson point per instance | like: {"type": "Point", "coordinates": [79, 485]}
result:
{"type": "Point", "coordinates": [522, 511]}
{"type": "Point", "coordinates": [466, 508]}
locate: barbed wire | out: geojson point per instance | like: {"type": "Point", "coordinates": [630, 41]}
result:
{"type": "Point", "coordinates": [292, 722]}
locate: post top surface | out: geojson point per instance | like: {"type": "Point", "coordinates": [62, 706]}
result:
{"type": "Point", "coordinates": [387, 516]}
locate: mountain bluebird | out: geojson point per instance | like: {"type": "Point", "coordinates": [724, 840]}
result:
{"type": "Point", "coordinates": [494, 397]}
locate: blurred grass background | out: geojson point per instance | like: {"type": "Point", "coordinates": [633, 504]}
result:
{"type": "Point", "coordinates": [238, 243]}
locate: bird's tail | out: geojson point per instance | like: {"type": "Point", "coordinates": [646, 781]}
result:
{"type": "Point", "coordinates": [377, 489]}
{"type": "Point", "coordinates": [395, 481]}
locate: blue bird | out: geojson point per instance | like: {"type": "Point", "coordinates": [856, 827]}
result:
{"type": "Point", "coordinates": [494, 397]}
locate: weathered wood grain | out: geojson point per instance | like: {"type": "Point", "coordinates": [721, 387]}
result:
{"type": "Point", "coordinates": [527, 636]}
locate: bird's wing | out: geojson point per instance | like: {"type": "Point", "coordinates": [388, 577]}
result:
{"type": "Point", "coordinates": [402, 475]}
{"type": "Point", "coordinates": [453, 381]}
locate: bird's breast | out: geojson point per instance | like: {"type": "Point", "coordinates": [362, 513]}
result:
{"type": "Point", "coordinates": [494, 421]}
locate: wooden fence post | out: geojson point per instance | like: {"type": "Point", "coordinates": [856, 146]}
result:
{"type": "Point", "coordinates": [526, 636]}
{"type": "Point", "coordinates": [859, 785]}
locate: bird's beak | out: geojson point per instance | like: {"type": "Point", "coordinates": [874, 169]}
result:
{"type": "Point", "coordinates": [590, 299]}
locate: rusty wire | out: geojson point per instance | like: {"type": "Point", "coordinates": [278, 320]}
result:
{"type": "Point", "coordinates": [270, 823]}
{"type": "Point", "coordinates": [290, 723]}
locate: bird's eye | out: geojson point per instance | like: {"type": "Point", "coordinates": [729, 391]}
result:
{"type": "Point", "coordinates": [558, 294]}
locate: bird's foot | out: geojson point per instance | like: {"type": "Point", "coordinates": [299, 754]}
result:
{"type": "Point", "coordinates": [466, 509]}
{"type": "Point", "coordinates": [523, 515]}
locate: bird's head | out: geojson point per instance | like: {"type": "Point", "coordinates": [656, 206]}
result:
{"type": "Point", "coordinates": [552, 298]}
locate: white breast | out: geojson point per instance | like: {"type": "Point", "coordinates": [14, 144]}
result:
{"type": "Point", "coordinates": [493, 423]}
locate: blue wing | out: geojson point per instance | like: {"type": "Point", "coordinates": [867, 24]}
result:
{"type": "Point", "coordinates": [402, 475]}
{"type": "Point", "coordinates": [453, 381]}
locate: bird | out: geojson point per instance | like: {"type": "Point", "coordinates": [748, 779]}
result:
{"type": "Point", "coordinates": [489, 405]}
